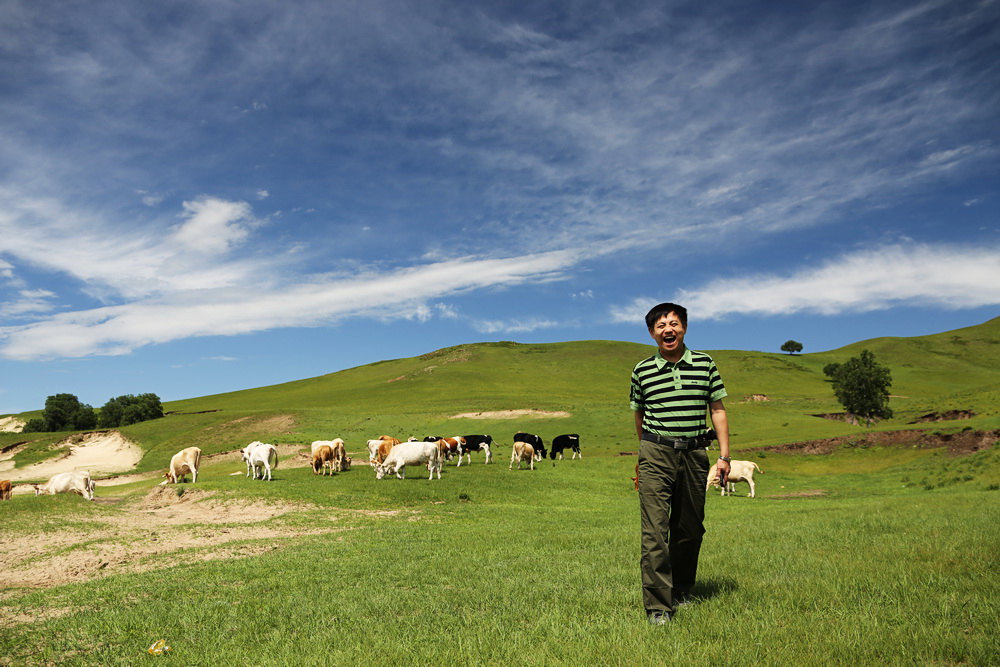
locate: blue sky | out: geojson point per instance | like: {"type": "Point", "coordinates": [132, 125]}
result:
{"type": "Point", "coordinates": [211, 195]}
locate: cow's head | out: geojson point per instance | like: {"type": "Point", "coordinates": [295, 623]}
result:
{"type": "Point", "coordinates": [170, 477]}
{"type": "Point", "coordinates": [379, 471]}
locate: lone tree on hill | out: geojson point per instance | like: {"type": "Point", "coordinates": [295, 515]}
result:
{"type": "Point", "coordinates": [861, 384]}
{"type": "Point", "coordinates": [791, 346]}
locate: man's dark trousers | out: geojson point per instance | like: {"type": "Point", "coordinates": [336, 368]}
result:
{"type": "Point", "coordinates": [672, 502]}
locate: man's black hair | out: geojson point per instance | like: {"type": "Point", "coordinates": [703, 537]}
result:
{"type": "Point", "coordinates": [659, 310]}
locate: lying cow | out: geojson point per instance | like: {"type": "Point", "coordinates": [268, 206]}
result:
{"type": "Point", "coordinates": [739, 471]}
{"type": "Point", "coordinates": [260, 457]}
{"type": "Point", "coordinates": [322, 459]}
{"type": "Point", "coordinates": [183, 463]}
{"type": "Point", "coordinates": [567, 441]}
{"type": "Point", "coordinates": [522, 452]}
{"type": "Point", "coordinates": [5, 489]}
{"type": "Point", "coordinates": [533, 440]}
{"type": "Point", "coordinates": [478, 443]}
{"type": "Point", "coordinates": [77, 481]}
{"type": "Point", "coordinates": [410, 454]}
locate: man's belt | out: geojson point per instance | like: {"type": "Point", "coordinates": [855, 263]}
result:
{"type": "Point", "coordinates": [698, 442]}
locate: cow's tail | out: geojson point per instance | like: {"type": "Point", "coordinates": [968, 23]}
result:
{"type": "Point", "coordinates": [757, 468]}
{"type": "Point", "coordinates": [273, 459]}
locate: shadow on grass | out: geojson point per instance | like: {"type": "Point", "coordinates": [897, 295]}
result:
{"type": "Point", "coordinates": [709, 588]}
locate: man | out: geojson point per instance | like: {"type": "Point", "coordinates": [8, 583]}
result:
{"type": "Point", "coordinates": [670, 394]}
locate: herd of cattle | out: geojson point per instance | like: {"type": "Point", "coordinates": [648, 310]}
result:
{"type": "Point", "coordinates": [386, 455]}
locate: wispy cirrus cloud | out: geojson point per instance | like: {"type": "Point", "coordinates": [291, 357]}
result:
{"type": "Point", "coordinates": [942, 276]}
{"type": "Point", "coordinates": [120, 329]}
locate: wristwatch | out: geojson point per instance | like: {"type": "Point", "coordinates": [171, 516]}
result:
{"type": "Point", "coordinates": [725, 458]}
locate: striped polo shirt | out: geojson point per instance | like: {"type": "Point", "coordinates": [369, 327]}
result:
{"type": "Point", "coordinates": [674, 398]}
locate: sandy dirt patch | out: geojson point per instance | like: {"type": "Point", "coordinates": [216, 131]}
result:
{"type": "Point", "coordinates": [11, 425]}
{"type": "Point", "coordinates": [513, 414]}
{"type": "Point", "coordinates": [162, 529]}
{"type": "Point", "coordinates": [97, 452]}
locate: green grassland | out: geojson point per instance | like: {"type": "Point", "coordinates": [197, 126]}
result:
{"type": "Point", "coordinates": [866, 554]}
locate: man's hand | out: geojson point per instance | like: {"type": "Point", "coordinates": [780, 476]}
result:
{"type": "Point", "coordinates": [723, 468]}
{"type": "Point", "coordinates": [636, 478]}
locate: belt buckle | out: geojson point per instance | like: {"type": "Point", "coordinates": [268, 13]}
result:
{"type": "Point", "coordinates": [682, 444]}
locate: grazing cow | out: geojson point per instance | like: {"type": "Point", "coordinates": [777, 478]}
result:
{"type": "Point", "coordinates": [183, 462]}
{"type": "Point", "coordinates": [347, 463]}
{"type": "Point", "coordinates": [561, 442]}
{"type": "Point", "coordinates": [382, 449]}
{"type": "Point", "coordinates": [260, 457]}
{"type": "Point", "coordinates": [322, 459]}
{"type": "Point", "coordinates": [739, 471]}
{"type": "Point", "coordinates": [339, 455]}
{"type": "Point", "coordinates": [410, 453]}
{"type": "Point", "coordinates": [339, 451]}
{"type": "Point", "coordinates": [522, 452]}
{"type": "Point", "coordinates": [533, 440]}
{"type": "Point", "coordinates": [5, 489]}
{"type": "Point", "coordinates": [77, 481]}
{"type": "Point", "coordinates": [478, 443]}
{"type": "Point", "coordinates": [452, 446]}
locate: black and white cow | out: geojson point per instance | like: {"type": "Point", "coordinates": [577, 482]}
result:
{"type": "Point", "coordinates": [533, 440]}
{"type": "Point", "coordinates": [566, 441]}
{"type": "Point", "coordinates": [478, 443]}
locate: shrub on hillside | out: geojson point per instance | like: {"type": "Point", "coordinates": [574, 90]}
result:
{"type": "Point", "coordinates": [129, 409]}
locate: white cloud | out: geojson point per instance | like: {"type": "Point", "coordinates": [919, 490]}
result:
{"type": "Point", "coordinates": [115, 330]}
{"type": "Point", "coordinates": [214, 225]}
{"type": "Point", "coordinates": [30, 302]}
{"type": "Point", "coordinates": [512, 326]}
{"type": "Point", "coordinates": [946, 276]}
{"type": "Point", "coordinates": [220, 358]}
{"type": "Point", "coordinates": [263, 194]}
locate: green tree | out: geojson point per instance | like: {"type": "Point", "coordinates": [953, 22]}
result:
{"type": "Point", "coordinates": [65, 412]}
{"type": "Point", "coordinates": [861, 384]}
{"type": "Point", "coordinates": [791, 346]}
{"type": "Point", "coordinates": [129, 409]}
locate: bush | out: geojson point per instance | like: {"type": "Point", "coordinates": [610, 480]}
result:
{"type": "Point", "coordinates": [861, 385]}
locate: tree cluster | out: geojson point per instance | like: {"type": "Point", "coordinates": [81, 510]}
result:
{"type": "Point", "coordinates": [65, 412]}
{"type": "Point", "coordinates": [861, 384]}
{"type": "Point", "coordinates": [129, 409]}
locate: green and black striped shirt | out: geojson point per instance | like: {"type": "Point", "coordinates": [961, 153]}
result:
{"type": "Point", "coordinates": [674, 398]}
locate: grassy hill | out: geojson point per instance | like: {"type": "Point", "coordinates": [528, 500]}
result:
{"type": "Point", "coordinates": [956, 370]}
{"type": "Point", "coordinates": [855, 554]}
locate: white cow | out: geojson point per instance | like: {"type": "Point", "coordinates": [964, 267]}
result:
{"type": "Point", "coordinates": [77, 481]}
{"type": "Point", "coordinates": [410, 454]}
{"type": "Point", "coordinates": [183, 462]}
{"type": "Point", "coordinates": [739, 471]}
{"type": "Point", "coordinates": [258, 455]}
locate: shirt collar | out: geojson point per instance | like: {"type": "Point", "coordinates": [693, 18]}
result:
{"type": "Point", "coordinates": [661, 362]}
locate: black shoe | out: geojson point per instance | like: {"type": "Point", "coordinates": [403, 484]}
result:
{"type": "Point", "coordinates": [658, 617]}
{"type": "Point", "coordinates": [684, 599]}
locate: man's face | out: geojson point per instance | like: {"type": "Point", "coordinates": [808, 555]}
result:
{"type": "Point", "coordinates": [668, 332]}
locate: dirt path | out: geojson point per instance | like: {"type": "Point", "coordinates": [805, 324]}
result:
{"type": "Point", "coordinates": [98, 452]}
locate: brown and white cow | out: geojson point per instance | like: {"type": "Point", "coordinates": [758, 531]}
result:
{"type": "Point", "coordinates": [322, 458]}
{"type": "Point", "coordinates": [522, 452]}
{"type": "Point", "coordinates": [5, 489]}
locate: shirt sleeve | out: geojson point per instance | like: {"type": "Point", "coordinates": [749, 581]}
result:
{"type": "Point", "coordinates": [636, 400]}
{"type": "Point", "coordinates": [716, 390]}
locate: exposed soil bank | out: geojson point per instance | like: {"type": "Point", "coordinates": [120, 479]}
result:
{"type": "Point", "coordinates": [963, 442]}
